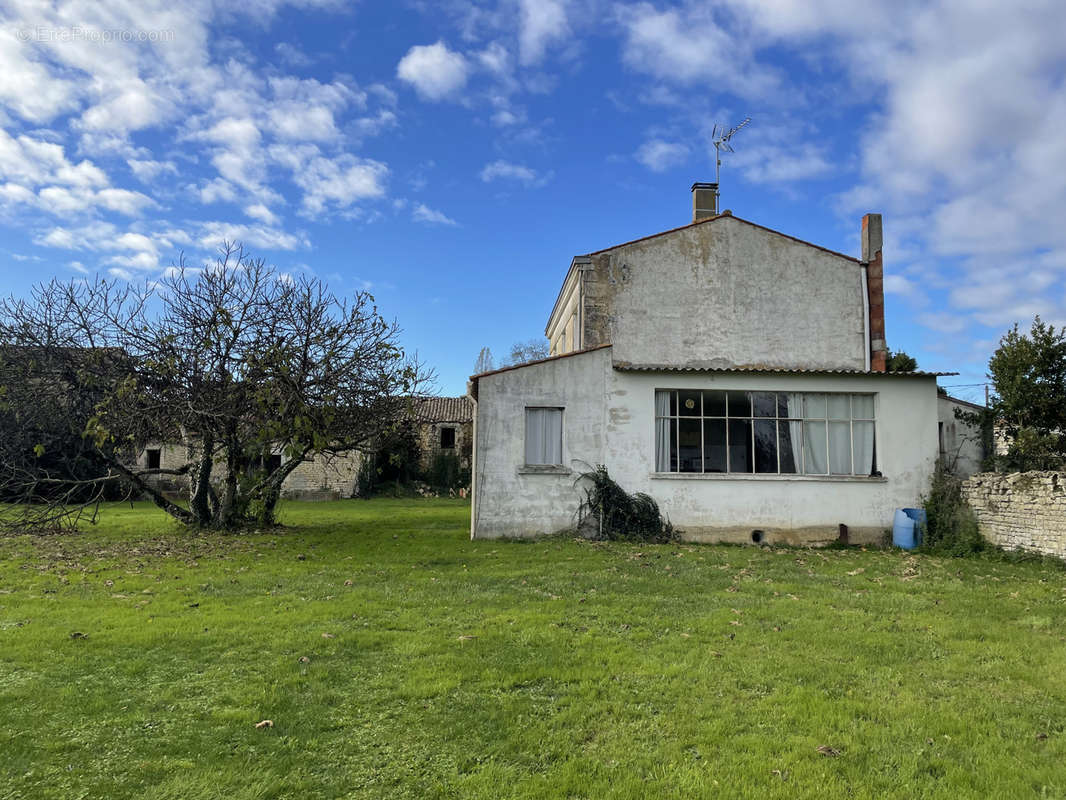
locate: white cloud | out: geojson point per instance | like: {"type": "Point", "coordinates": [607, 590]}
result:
{"type": "Point", "coordinates": [331, 183]}
{"type": "Point", "coordinates": [505, 170]}
{"type": "Point", "coordinates": [690, 45]}
{"type": "Point", "coordinates": [434, 71]}
{"type": "Point", "coordinates": [659, 155]}
{"type": "Point", "coordinates": [213, 234]}
{"type": "Point", "coordinates": [147, 170]}
{"type": "Point", "coordinates": [262, 213]}
{"type": "Point", "coordinates": [542, 21]}
{"type": "Point", "coordinates": [423, 213]}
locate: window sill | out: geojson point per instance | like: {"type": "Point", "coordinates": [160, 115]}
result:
{"type": "Point", "coordinates": [543, 469]}
{"type": "Point", "coordinates": [746, 476]}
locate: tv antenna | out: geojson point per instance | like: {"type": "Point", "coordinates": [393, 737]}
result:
{"type": "Point", "coordinates": [721, 142]}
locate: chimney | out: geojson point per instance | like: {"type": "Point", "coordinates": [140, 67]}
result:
{"type": "Point", "coordinates": [872, 240]}
{"type": "Point", "coordinates": [704, 201]}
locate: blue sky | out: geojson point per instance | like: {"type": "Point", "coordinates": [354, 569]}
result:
{"type": "Point", "coordinates": [452, 157]}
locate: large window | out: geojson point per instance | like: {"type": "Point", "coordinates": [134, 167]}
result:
{"type": "Point", "coordinates": [544, 436]}
{"type": "Point", "coordinates": [783, 433]}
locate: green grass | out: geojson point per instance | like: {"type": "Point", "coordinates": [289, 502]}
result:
{"type": "Point", "coordinates": [492, 669]}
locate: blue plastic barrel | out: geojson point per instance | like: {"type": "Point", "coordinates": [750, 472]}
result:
{"type": "Point", "coordinates": [907, 527]}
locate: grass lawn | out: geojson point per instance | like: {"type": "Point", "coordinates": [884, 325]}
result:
{"type": "Point", "coordinates": [398, 659]}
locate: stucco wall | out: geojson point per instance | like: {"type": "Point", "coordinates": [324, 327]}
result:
{"type": "Point", "coordinates": [609, 419]}
{"type": "Point", "coordinates": [509, 500]}
{"type": "Point", "coordinates": [1021, 511]}
{"type": "Point", "coordinates": [725, 293]}
{"type": "Point", "coordinates": [321, 477]}
{"type": "Point", "coordinates": [961, 444]}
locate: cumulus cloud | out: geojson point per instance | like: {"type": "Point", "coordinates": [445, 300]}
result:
{"type": "Point", "coordinates": [423, 213]}
{"type": "Point", "coordinates": [434, 71]}
{"type": "Point", "coordinates": [659, 155]}
{"type": "Point", "coordinates": [542, 21]}
{"type": "Point", "coordinates": [505, 170]}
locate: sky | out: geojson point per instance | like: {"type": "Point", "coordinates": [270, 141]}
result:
{"type": "Point", "coordinates": [452, 157]}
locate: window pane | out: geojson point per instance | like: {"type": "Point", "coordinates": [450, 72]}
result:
{"type": "Point", "coordinates": [839, 406]}
{"type": "Point", "coordinates": [714, 457]}
{"type": "Point", "coordinates": [714, 404]}
{"type": "Point", "coordinates": [689, 404]}
{"type": "Point", "coordinates": [814, 455]}
{"type": "Point", "coordinates": [673, 404]}
{"type": "Point", "coordinates": [862, 406]}
{"type": "Point", "coordinates": [765, 445]}
{"type": "Point", "coordinates": [790, 435]}
{"type": "Point", "coordinates": [764, 404]}
{"type": "Point", "coordinates": [814, 406]}
{"type": "Point", "coordinates": [689, 447]}
{"type": "Point", "coordinates": [863, 447]}
{"type": "Point", "coordinates": [840, 448]}
{"type": "Point", "coordinates": [739, 405]}
{"type": "Point", "coordinates": [740, 459]}
{"type": "Point", "coordinates": [673, 445]}
{"type": "Point", "coordinates": [544, 436]}
{"type": "Point", "coordinates": [790, 405]}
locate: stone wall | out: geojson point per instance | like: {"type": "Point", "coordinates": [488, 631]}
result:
{"type": "Point", "coordinates": [1021, 511]}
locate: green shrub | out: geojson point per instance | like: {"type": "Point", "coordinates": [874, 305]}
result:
{"type": "Point", "coordinates": [612, 513]}
{"type": "Point", "coordinates": [952, 526]}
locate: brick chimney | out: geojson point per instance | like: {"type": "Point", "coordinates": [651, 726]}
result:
{"type": "Point", "coordinates": [872, 240]}
{"type": "Point", "coordinates": [704, 201]}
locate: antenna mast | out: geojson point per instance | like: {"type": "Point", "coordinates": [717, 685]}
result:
{"type": "Point", "coordinates": [721, 142]}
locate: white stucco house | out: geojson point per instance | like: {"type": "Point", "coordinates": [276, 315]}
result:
{"type": "Point", "coordinates": [734, 373]}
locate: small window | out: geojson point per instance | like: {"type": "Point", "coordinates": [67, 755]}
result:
{"type": "Point", "coordinates": [447, 438]}
{"type": "Point", "coordinates": [154, 458]}
{"type": "Point", "coordinates": [272, 462]}
{"type": "Point", "coordinates": [544, 436]}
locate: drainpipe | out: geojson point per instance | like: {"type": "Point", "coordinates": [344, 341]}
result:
{"type": "Point", "coordinates": [865, 319]}
{"type": "Point", "coordinates": [471, 392]}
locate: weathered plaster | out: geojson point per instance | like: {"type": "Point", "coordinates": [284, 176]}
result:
{"type": "Point", "coordinates": [609, 419]}
{"type": "Point", "coordinates": [726, 293]}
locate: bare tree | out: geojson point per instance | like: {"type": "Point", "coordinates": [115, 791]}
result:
{"type": "Point", "coordinates": [235, 362]}
{"type": "Point", "coordinates": [524, 352]}
{"type": "Point", "coordinates": [485, 362]}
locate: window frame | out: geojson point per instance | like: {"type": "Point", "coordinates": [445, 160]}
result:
{"type": "Point", "coordinates": [826, 419]}
{"type": "Point", "coordinates": [525, 437]}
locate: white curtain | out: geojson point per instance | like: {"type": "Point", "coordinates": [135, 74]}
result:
{"type": "Point", "coordinates": [544, 436]}
{"type": "Point", "coordinates": [814, 448]}
{"type": "Point", "coordinates": [662, 431]}
{"type": "Point", "coordinates": [795, 428]}
{"type": "Point", "coordinates": [864, 447]}
{"type": "Point", "coordinates": [840, 448]}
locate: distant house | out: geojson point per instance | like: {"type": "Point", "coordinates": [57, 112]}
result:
{"type": "Point", "coordinates": [962, 447]}
{"type": "Point", "coordinates": [734, 373]}
{"type": "Point", "coordinates": [444, 426]}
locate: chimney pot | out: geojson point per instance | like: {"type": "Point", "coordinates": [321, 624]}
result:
{"type": "Point", "coordinates": [704, 201]}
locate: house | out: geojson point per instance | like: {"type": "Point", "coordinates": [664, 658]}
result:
{"type": "Point", "coordinates": [443, 426]}
{"type": "Point", "coordinates": [734, 373]}
{"type": "Point", "coordinates": [962, 446]}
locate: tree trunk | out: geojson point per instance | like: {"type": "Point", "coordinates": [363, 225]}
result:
{"type": "Point", "coordinates": [200, 486]}
{"type": "Point", "coordinates": [271, 490]}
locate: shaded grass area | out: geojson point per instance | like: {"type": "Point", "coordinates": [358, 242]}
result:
{"type": "Point", "coordinates": [398, 659]}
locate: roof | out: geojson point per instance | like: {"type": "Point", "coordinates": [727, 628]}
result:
{"type": "Point", "coordinates": [539, 361]}
{"type": "Point", "coordinates": [623, 366]}
{"type": "Point", "coordinates": [961, 402]}
{"type": "Point", "coordinates": [726, 215]}
{"type": "Point", "coordinates": [474, 378]}
{"type": "Point", "coordinates": [443, 409]}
